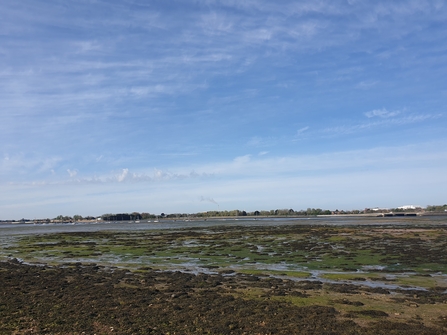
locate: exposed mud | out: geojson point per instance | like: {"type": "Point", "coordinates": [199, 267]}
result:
{"type": "Point", "coordinates": [387, 258]}
{"type": "Point", "coordinates": [91, 299]}
{"type": "Point", "coordinates": [286, 279]}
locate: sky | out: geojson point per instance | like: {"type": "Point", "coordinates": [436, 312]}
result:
{"type": "Point", "coordinates": [189, 106]}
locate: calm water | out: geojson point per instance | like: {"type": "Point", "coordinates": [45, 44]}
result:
{"type": "Point", "coordinates": [27, 229]}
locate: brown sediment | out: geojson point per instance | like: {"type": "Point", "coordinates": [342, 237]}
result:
{"type": "Point", "coordinates": [91, 299]}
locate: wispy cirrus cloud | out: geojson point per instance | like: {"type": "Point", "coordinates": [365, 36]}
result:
{"type": "Point", "coordinates": [367, 84]}
{"type": "Point", "coordinates": [302, 130]}
{"type": "Point", "coordinates": [384, 119]}
{"type": "Point", "coordinates": [262, 141]}
{"type": "Point", "coordinates": [382, 113]}
{"type": "Point", "coordinates": [250, 184]}
{"type": "Point", "coordinates": [130, 95]}
{"type": "Point", "coordinates": [21, 165]}
{"type": "Point", "coordinates": [124, 176]}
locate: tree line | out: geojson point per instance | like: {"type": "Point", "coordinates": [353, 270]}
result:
{"type": "Point", "coordinates": [208, 214]}
{"type": "Point", "coordinates": [442, 208]}
{"type": "Point", "coordinates": [135, 216]}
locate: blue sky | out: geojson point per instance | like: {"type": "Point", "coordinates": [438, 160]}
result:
{"type": "Point", "coordinates": [189, 106]}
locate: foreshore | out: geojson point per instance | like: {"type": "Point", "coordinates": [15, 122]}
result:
{"type": "Point", "coordinates": [298, 276]}
{"type": "Point", "coordinates": [91, 299]}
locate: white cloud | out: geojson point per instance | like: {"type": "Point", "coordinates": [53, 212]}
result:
{"type": "Point", "coordinates": [216, 23]}
{"type": "Point", "coordinates": [152, 90]}
{"type": "Point", "coordinates": [263, 165]}
{"type": "Point", "coordinates": [382, 118]}
{"type": "Point", "coordinates": [259, 141]}
{"type": "Point", "coordinates": [87, 46]}
{"type": "Point", "coordinates": [21, 164]}
{"type": "Point", "coordinates": [242, 159]}
{"type": "Point", "coordinates": [259, 35]}
{"type": "Point", "coordinates": [122, 175]}
{"type": "Point", "coordinates": [302, 130]}
{"type": "Point", "coordinates": [126, 87]}
{"type": "Point", "coordinates": [391, 175]}
{"type": "Point", "coordinates": [367, 84]}
{"type": "Point", "coordinates": [382, 113]}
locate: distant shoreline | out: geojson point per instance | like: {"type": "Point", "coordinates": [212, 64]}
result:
{"type": "Point", "coordinates": [248, 217]}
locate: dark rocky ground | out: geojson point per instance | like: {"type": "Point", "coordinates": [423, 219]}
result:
{"type": "Point", "coordinates": [89, 299]}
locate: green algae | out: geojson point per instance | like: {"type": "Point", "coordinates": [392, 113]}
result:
{"type": "Point", "coordinates": [296, 249]}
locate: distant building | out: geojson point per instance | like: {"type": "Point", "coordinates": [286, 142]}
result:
{"type": "Point", "coordinates": [407, 207]}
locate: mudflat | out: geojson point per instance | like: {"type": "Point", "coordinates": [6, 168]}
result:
{"type": "Point", "coordinates": [291, 279]}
